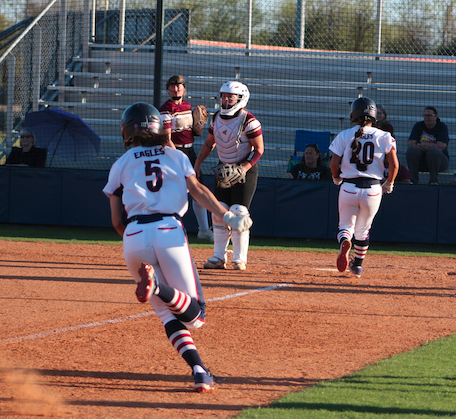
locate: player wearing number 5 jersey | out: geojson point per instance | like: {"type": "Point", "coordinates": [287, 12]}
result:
{"type": "Point", "coordinates": [151, 181]}
{"type": "Point", "coordinates": [357, 165]}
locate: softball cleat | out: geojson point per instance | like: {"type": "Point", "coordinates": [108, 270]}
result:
{"type": "Point", "coordinates": [355, 270]}
{"type": "Point", "coordinates": [342, 259]}
{"type": "Point", "coordinates": [148, 284]}
{"type": "Point", "coordinates": [214, 263]}
{"type": "Point", "coordinates": [205, 382]}
{"type": "Point", "coordinates": [239, 265]}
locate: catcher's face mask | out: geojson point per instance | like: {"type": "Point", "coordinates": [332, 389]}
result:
{"type": "Point", "coordinates": [228, 100]}
{"type": "Point", "coordinates": [234, 88]}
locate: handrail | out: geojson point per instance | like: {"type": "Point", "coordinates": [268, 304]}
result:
{"type": "Point", "coordinates": [35, 21]}
{"type": "Point", "coordinates": [12, 29]}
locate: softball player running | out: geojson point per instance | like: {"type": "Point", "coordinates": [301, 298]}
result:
{"type": "Point", "coordinates": [357, 165]}
{"type": "Point", "coordinates": [152, 181]}
{"type": "Point", "coordinates": [239, 140]}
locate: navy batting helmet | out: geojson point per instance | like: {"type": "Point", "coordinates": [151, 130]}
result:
{"type": "Point", "coordinates": [140, 118]}
{"type": "Point", "coordinates": [363, 106]}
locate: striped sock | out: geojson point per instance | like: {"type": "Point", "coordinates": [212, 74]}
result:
{"type": "Point", "coordinates": [360, 249]}
{"type": "Point", "coordinates": [182, 340]}
{"type": "Point", "coordinates": [343, 235]}
{"type": "Point", "coordinates": [184, 307]}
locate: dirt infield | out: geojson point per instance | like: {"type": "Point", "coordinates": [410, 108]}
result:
{"type": "Point", "coordinates": [75, 342]}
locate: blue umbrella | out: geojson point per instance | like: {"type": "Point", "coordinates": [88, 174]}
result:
{"type": "Point", "coordinates": [63, 134]}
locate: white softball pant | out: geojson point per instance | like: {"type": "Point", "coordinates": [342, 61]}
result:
{"type": "Point", "coordinates": [357, 208]}
{"type": "Point", "coordinates": [164, 245]}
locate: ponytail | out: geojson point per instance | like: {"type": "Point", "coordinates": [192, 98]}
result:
{"type": "Point", "coordinates": [363, 121]}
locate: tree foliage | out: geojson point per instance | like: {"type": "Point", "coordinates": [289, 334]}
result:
{"type": "Point", "coordinates": [223, 21]}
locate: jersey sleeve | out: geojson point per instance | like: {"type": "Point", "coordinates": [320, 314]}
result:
{"type": "Point", "coordinates": [337, 146]}
{"type": "Point", "coordinates": [252, 126]}
{"type": "Point", "coordinates": [389, 142]}
{"type": "Point", "coordinates": [184, 162]}
{"type": "Point", "coordinates": [166, 115]}
{"type": "Point", "coordinates": [113, 183]}
{"type": "Point", "coordinates": [416, 132]}
{"type": "Point", "coordinates": [188, 168]}
{"type": "Point", "coordinates": [443, 133]}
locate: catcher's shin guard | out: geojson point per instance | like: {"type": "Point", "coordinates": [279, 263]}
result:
{"type": "Point", "coordinates": [240, 245]}
{"type": "Point", "coordinates": [221, 236]}
{"type": "Point", "coordinates": [240, 240]}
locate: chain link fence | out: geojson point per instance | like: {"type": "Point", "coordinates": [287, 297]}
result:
{"type": "Point", "coordinates": [303, 61]}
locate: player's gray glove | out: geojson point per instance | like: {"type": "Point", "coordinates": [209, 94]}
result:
{"type": "Point", "coordinates": [228, 174]}
{"type": "Point", "coordinates": [387, 187]}
{"type": "Point", "coordinates": [337, 180]}
{"type": "Point", "coordinates": [237, 222]}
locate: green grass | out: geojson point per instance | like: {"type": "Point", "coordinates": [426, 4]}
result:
{"type": "Point", "coordinates": [19, 232]}
{"type": "Point", "coordinates": [417, 384]}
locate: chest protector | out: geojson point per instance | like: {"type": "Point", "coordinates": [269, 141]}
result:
{"type": "Point", "coordinates": [233, 145]}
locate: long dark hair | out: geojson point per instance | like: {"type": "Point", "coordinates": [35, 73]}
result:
{"type": "Point", "coordinates": [363, 121]}
{"type": "Point", "coordinates": [149, 139]}
{"type": "Point", "coordinates": [303, 160]}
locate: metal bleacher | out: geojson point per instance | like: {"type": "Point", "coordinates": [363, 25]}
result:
{"type": "Point", "coordinates": [289, 92]}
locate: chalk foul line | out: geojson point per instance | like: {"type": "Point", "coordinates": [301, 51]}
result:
{"type": "Point", "coordinates": [132, 317]}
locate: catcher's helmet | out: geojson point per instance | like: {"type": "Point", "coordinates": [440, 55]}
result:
{"type": "Point", "coordinates": [234, 88]}
{"type": "Point", "coordinates": [139, 118]}
{"type": "Point", "coordinates": [363, 106]}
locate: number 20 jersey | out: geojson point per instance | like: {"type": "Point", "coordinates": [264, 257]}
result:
{"type": "Point", "coordinates": [373, 147]}
{"type": "Point", "coordinates": [153, 180]}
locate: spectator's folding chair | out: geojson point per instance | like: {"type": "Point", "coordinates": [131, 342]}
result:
{"type": "Point", "coordinates": [303, 138]}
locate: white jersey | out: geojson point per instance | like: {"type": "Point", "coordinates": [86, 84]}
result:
{"type": "Point", "coordinates": [153, 180]}
{"type": "Point", "coordinates": [373, 146]}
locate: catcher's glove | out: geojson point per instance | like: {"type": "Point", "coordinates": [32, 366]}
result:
{"type": "Point", "coordinates": [199, 114]}
{"type": "Point", "coordinates": [228, 174]}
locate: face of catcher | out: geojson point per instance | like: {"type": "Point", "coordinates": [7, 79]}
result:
{"type": "Point", "coordinates": [229, 100]}
{"type": "Point", "coordinates": [176, 92]}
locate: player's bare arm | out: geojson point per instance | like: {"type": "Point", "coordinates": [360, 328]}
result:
{"type": "Point", "coordinates": [393, 165]}
{"type": "Point", "coordinates": [170, 142]}
{"type": "Point", "coordinates": [207, 199]}
{"type": "Point", "coordinates": [206, 149]}
{"type": "Point", "coordinates": [335, 168]}
{"type": "Point", "coordinates": [335, 165]}
{"type": "Point", "coordinates": [258, 147]}
{"type": "Point", "coordinates": [116, 213]}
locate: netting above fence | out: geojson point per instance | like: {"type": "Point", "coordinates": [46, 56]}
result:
{"type": "Point", "coordinates": [304, 66]}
